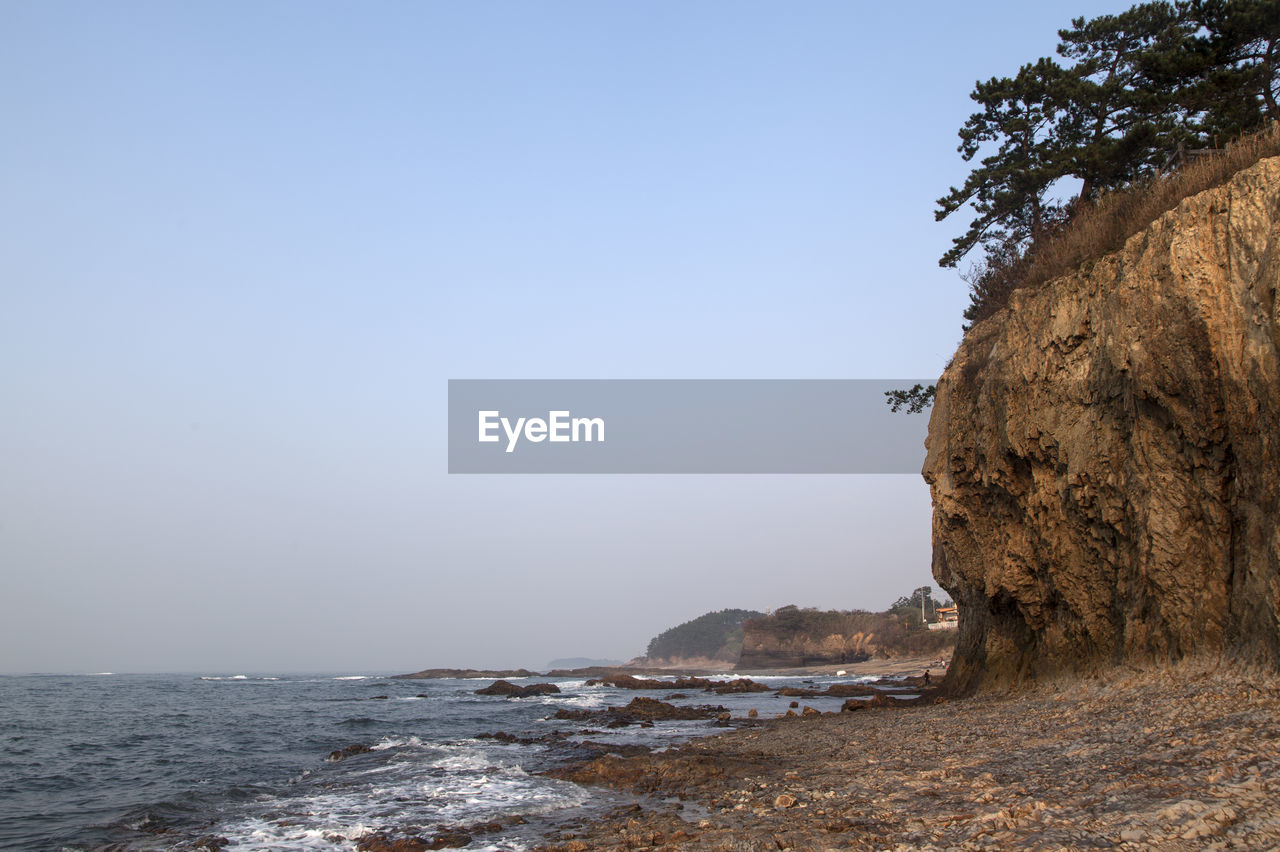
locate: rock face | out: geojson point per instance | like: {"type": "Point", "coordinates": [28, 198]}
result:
{"type": "Point", "coordinates": [1104, 454]}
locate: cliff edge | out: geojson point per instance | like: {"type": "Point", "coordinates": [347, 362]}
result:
{"type": "Point", "coordinates": [1104, 453]}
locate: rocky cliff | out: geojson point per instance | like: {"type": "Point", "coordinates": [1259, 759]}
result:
{"type": "Point", "coordinates": [1104, 453]}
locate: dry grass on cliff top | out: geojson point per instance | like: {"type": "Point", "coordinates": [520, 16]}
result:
{"type": "Point", "coordinates": [1101, 228]}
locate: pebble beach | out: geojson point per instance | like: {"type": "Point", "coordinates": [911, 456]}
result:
{"type": "Point", "coordinates": [1179, 757]}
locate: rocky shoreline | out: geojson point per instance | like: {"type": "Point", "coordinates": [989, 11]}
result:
{"type": "Point", "coordinates": [1181, 757]}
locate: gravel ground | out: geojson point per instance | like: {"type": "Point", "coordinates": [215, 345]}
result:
{"type": "Point", "coordinates": [1185, 757]}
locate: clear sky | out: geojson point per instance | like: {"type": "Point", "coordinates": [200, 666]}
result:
{"type": "Point", "coordinates": [245, 245]}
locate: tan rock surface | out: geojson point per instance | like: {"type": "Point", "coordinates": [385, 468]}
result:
{"type": "Point", "coordinates": [1104, 454]}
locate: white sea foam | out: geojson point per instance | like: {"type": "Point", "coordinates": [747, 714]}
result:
{"type": "Point", "coordinates": [397, 742]}
{"type": "Point", "coordinates": [353, 677]}
{"type": "Point", "coordinates": [584, 701]}
{"type": "Point", "coordinates": [257, 833]}
{"type": "Point", "coordinates": [475, 784]}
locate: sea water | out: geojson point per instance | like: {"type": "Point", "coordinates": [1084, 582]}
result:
{"type": "Point", "coordinates": [134, 762]}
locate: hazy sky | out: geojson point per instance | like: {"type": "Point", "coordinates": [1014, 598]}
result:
{"type": "Point", "coordinates": [246, 245]}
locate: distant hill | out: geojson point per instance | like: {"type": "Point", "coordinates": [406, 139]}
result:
{"type": "Point", "coordinates": [581, 663]}
{"type": "Point", "coordinates": [792, 637]}
{"type": "Point", "coordinates": [714, 636]}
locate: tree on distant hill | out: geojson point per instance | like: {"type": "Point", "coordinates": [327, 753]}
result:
{"type": "Point", "coordinates": [716, 635]}
{"type": "Point", "coordinates": [792, 636]}
{"type": "Point", "coordinates": [909, 607]}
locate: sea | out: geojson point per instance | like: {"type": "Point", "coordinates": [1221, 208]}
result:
{"type": "Point", "coordinates": [128, 762]}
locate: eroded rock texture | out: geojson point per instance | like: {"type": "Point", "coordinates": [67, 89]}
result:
{"type": "Point", "coordinates": [1104, 454]}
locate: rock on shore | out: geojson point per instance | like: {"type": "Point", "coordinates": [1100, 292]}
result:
{"type": "Point", "coordinates": [1104, 454]}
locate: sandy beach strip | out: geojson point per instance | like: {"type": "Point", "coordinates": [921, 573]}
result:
{"type": "Point", "coordinates": [1180, 757]}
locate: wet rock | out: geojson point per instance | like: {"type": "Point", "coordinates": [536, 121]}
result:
{"type": "Point", "coordinates": [641, 709]}
{"type": "Point", "coordinates": [511, 690]}
{"type": "Point", "coordinates": [784, 801]}
{"type": "Point", "coordinates": [848, 690]}
{"type": "Point", "coordinates": [464, 674]}
{"type": "Point", "coordinates": [380, 842]}
{"type": "Point", "coordinates": [625, 681]}
{"type": "Point", "coordinates": [349, 751]}
{"type": "Point", "coordinates": [739, 685]}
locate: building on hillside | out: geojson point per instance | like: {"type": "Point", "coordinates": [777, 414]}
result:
{"type": "Point", "coordinates": [948, 618]}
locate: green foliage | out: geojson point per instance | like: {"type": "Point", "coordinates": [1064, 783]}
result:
{"type": "Point", "coordinates": [716, 635]}
{"type": "Point", "coordinates": [1125, 96]}
{"type": "Point", "coordinates": [812, 635]}
{"type": "Point", "coordinates": [1238, 47]}
{"type": "Point", "coordinates": [914, 400]}
{"type": "Point", "coordinates": [1007, 191]}
{"type": "Point", "coordinates": [908, 608]}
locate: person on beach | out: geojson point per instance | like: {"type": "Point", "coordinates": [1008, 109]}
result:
{"type": "Point", "coordinates": [926, 677]}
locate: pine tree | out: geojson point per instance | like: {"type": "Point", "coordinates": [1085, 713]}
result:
{"type": "Point", "coordinates": [1008, 190]}
{"type": "Point", "coordinates": [1136, 88]}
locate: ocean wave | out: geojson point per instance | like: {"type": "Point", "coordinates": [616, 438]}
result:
{"type": "Point", "coordinates": [397, 742]}
{"type": "Point", "coordinates": [588, 702]}
{"type": "Point", "coordinates": [350, 806]}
